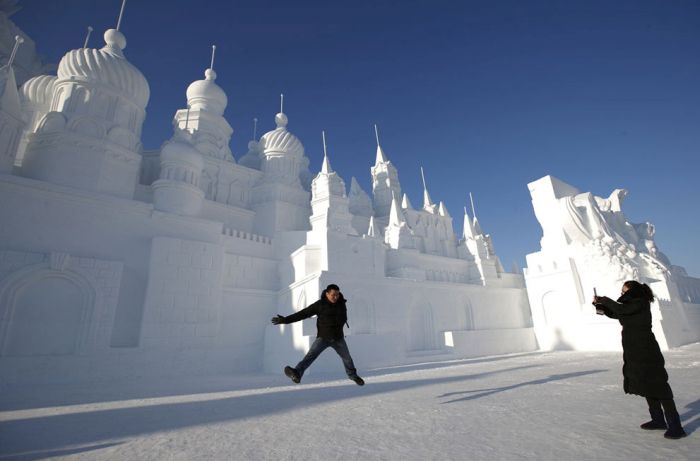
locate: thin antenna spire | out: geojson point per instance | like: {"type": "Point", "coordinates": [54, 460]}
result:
{"type": "Point", "coordinates": [323, 135]}
{"type": "Point", "coordinates": [376, 133]}
{"type": "Point", "coordinates": [213, 52]}
{"type": "Point", "coordinates": [423, 177]}
{"type": "Point", "coordinates": [121, 13]}
{"type": "Point", "coordinates": [87, 37]}
{"type": "Point", "coordinates": [471, 199]}
{"type": "Point", "coordinates": [281, 103]}
{"type": "Point", "coordinates": [255, 127]}
{"type": "Point", "coordinates": [18, 40]}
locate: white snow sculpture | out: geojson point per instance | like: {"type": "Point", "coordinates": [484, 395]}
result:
{"type": "Point", "coordinates": [119, 262]}
{"type": "Point", "coordinates": [588, 243]}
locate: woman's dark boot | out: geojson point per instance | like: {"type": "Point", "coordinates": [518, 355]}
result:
{"type": "Point", "coordinates": [657, 416]}
{"type": "Point", "coordinates": [675, 430]}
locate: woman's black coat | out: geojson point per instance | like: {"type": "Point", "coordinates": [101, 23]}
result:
{"type": "Point", "coordinates": [643, 368]}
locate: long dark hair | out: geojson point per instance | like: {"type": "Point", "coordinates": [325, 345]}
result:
{"type": "Point", "coordinates": [639, 290]}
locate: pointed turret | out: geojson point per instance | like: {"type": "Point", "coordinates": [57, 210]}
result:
{"type": "Point", "coordinates": [397, 234]}
{"type": "Point", "coordinates": [395, 215]}
{"type": "Point", "coordinates": [405, 203]}
{"type": "Point", "coordinates": [359, 202]}
{"type": "Point", "coordinates": [329, 201]}
{"type": "Point", "coordinates": [385, 181]}
{"type": "Point", "coordinates": [468, 232]}
{"type": "Point", "coordinates": [442, 210]}
{"type": "Point", "coordinates": [428, 204]}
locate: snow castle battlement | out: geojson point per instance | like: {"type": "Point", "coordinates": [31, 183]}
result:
{"type": "Point", "coordinates": [117, 261]}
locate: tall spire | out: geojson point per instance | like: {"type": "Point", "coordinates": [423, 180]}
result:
{"type": "Point", "coordinates": [427, 202]}
{"type": "Point", "coordinates": [471, 199]}
{"type": "Point", "coordinates": [121, 14]}
{"type": "Point", "coordinates": [381, 158]}
{"type": "Point", "coordinates": [476, 227]}
{"type": "Point", "coordinates": [326, 165]}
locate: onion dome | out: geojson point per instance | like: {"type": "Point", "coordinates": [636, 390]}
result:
{"type": "Point", "coordinates": [38, 90]}
{"type": "Point", "coordinates": [108, 66]}
{"type": "Point", "coordinates": [280, 140]}
{"type": "Point", "coordinates": [206, 95]}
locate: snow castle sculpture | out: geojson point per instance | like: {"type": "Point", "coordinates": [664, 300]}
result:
{"type": "Point", "coordinates": [588, 243]}
{"type": "Point", "coordinates": [118, 261]}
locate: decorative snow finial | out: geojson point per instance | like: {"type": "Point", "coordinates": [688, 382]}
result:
{"type": "Point", "coordinates": [87, 37]}
{"type": "Point", "coordinates": [255, 127]}
{"type": "Point", "coordinates": [213, 53]}
{"type": "Point", "coordinates": [281, 119]}
{"type": "Point", "coordinates": [121, 13]}
{"type": "Point", "coordinates": [376, 134]}
{"type": "Point", "coordinates": [18, 41]}
{"type": "Point", "coordinates": [326, 166]}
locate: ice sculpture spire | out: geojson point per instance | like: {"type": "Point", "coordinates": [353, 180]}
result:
{"type": "Point", "coordinates": [428, 204]}
{"type": "Point", "coordinates": [381, 158]}
{"type": "Point", "coordinates": [326, 165]}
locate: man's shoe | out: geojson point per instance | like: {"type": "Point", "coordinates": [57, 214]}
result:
{"type": "Point", "coordinates": [359, 381]}
{"type": "Point", "coordinates": [652, 425]}
{"type": "Point", "coordinates": [292, 374]}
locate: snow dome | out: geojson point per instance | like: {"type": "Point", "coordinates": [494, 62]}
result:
{"type": "Point", "coordinates": [38, 90]}
{"type": "Point", "coordinates": [207, 95]}
{"type": "Point", "coordinates": [107, 65]}
{"type": "Point", "coordinates": [280, 140]}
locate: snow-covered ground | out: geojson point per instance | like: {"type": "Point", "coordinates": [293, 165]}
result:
{"type": "Point", "coordinates": [538, 406]}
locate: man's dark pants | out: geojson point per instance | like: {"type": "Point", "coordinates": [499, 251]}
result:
{"type": "Point", "coordinates": [321, 345]}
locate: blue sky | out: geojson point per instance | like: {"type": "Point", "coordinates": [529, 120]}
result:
{"type": "Point", "coordinates": [485, 95]}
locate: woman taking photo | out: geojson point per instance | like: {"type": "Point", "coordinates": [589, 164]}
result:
{"type": "Point", "coordinates": [643, 365]}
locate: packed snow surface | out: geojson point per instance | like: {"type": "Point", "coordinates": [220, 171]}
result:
{"type": "Point", "coordinates": [543, 406]}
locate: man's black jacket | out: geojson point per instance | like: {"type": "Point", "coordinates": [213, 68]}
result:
{"type": "Point", "coordinates": [330, 317]}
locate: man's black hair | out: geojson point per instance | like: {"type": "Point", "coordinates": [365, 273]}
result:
{"type": "Point", "coordinates": [332, 286]}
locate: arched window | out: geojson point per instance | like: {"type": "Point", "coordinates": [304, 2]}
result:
{"type": "Point", "coordinates": [45, 312]}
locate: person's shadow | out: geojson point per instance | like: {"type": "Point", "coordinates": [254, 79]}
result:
{"type": "Point", "coordinates": [478, 393]}
{"type": "Point", "coordinates": [689, 418]}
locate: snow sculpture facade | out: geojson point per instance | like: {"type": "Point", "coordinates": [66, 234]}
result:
{"type": "Point", "coordinates": [115, 261]}
{"type": "Point", "coordinates": [588, 243]}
